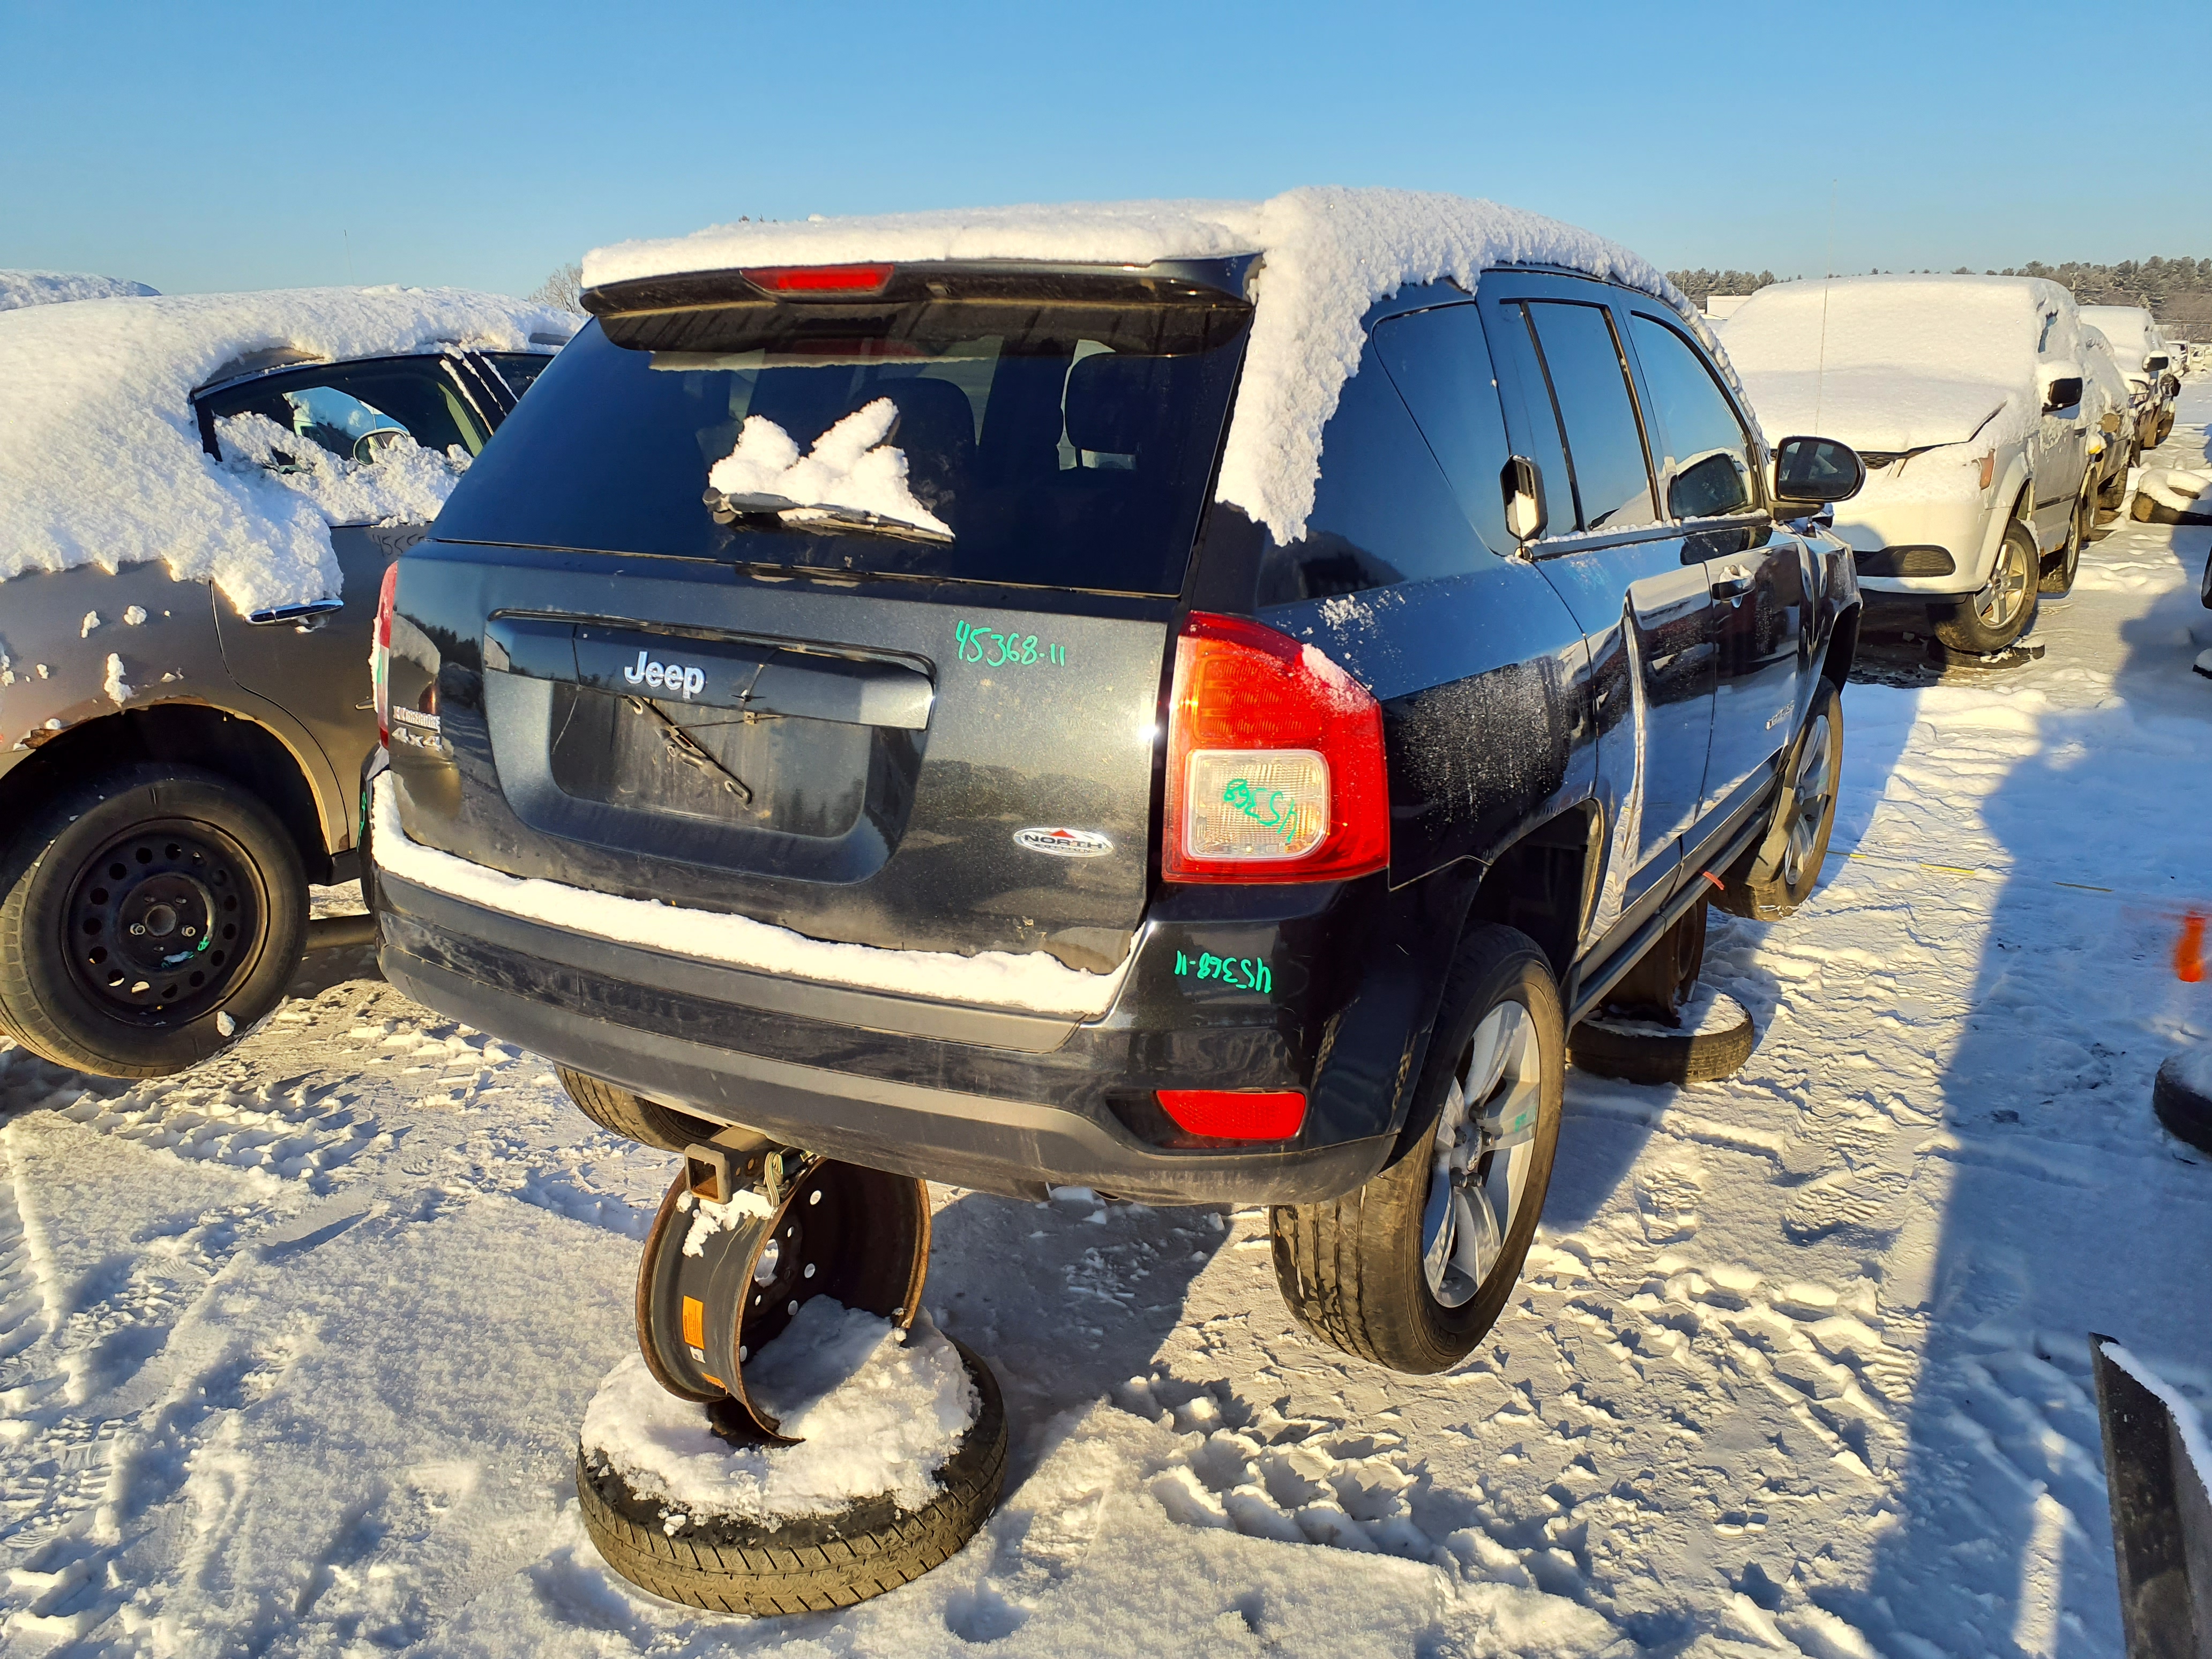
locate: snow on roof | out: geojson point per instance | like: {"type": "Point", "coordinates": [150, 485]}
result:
{"type": "Point", "coordinates": [103, 463]}
{"type": "Point", "coordinates": [38, 287]}
{"type": "Point", "coordinates": [2130, 328]}
{"type": "Point", "coordinates": [1327, 254]}
{"type": "Point", "coordinates": [1888, 363]}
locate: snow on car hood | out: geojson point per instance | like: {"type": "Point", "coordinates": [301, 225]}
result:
{"type": "Point", "coordinates": [1898, 362]}
{"type": "Point", "coordinates": [1327, 254]}
{"type": "Point", "coordinates": [39, 288]}
{"type": "Point", "coordinates": [1872, 409]}
{"type": "Point", "coordinates": [103, 463]}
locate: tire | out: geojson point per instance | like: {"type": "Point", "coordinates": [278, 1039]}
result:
{"type": "Point", "coordinates": [199, 858]}
{"type": "Point", "coordinates": [1353, 1270]}
{"type": "Point", "coordinates": [2060, 570]}
{"type": "Point", "coordinates": [1666, 975]}
{"type": "Point", "coordinates": [634, 1117]}
{"type": "Point", "coordinates": [1779, 872]}
{"type": "Point", "coordinates": [813, 1564]}
{"type": "Point", "coordinates": [2183, 1108]}
{"type": "Point", "coordinates": [1983, 624]}
{"type": "Point", "coordinates": [1659, 1055]}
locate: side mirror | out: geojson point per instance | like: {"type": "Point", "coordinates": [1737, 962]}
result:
{"type": "Point", "coordinates": [1810, 473]}
{"type": "Point", "coordinates": [2064, 392]}
{"type": "Point", "coordinates": [2156, 361]}
{"type": "Point", "coordinates": [1522, 482]}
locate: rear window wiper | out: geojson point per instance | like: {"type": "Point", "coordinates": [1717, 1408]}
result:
{"type": "Point", "coordinates": [761, 511]}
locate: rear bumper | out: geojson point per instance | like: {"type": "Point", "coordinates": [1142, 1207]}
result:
{"type": "Point", "coordinates": [1006, 1102]}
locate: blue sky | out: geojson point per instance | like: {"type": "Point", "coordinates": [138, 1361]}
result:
{"type": "Point", "coordinates": [249, 146]}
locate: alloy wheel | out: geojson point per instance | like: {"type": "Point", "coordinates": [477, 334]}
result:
{"type": "Point", "coordinates": [1484, 1147]}
{"type": "Point", "coordinates": [1811, 786]}
{"type": "Point", "coordinates": [2001, 597]}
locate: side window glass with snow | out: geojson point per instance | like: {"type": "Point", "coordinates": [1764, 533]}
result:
{"type": "Point", "coordinates": [1589, 383]}
{"type": "Point", "coordinates": [1383, 511]}
{"type": "Point", "coordinates": [1441, 364]}
{"type": "Point", "coordinates": [1708, 457]}
{"type": "Point", "coordinates": [357, 413]}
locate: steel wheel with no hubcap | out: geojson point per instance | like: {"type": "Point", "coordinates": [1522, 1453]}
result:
{"type": "Point", "coordinates": [163, 920]}
{"type": "Point", "coordinates": [1483, 1141]}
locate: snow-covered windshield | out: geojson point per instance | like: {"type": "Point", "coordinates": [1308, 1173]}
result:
{"type": "Point", "coordinates": [1045, 444]}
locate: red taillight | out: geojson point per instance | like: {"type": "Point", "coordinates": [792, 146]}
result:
{"type": "Point", "coordinates": [1274, 769]}
{"type": "Point", "coordinates": [379, 652]}
{"type": "Point", "coordinates": [819, 279]}
{"type": "Point", "coordinates": [1223, 1114]}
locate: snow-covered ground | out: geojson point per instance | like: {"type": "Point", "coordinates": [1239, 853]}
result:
{"type": "Point", "coordinates": [294, 1348]}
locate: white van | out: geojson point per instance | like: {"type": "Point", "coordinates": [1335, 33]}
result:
{"type": "Point", "coordinates": [1964, 396]}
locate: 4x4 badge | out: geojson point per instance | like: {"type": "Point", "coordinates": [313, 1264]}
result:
{"type": "Point", "coordinates": [1065, 843]}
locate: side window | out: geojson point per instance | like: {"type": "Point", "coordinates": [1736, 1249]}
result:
{"type": "Point", "coordinates": [358, 412]}
{"type": "Point", "coordinates": [1442, 367]}
{"type": "Point", "coordinates": [520, 368]}
{"type": "Point", "coordinates": [1383, 511]}
{"type": "Point", "coordinates": [1710, 450]}
{"type": "Point", "coordinates": [1513, 339]}
{"type": "Point", "coordinates": [1590, 386]}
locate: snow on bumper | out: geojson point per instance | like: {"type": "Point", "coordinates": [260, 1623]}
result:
{"type": "Point", "coordinates": [1035, 981]}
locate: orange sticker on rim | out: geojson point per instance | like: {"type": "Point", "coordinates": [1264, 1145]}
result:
{"type": "Point", "coordinates": [695, 1322]}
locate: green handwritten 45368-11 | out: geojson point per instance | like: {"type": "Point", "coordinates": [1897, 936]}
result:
{"type": "Point", "coordinates": [996, 650]}
{"type": "Point", "coordinates": [1245, 973]}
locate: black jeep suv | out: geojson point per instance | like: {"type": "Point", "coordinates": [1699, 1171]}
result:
{"type": "Point", "coordinates": [1073, 829]}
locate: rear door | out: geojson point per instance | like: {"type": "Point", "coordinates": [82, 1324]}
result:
{"type": "Point", "coordinates": [1638, 592]}
{"type": "Point", "coordinates": [852, 617]}
{"type": "Point", "coordinates": [1756, 575]}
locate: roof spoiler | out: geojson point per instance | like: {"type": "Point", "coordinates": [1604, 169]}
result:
{"type": "Point", "coordinates": [1206, 282]}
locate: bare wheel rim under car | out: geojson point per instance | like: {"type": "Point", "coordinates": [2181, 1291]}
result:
{"type": "Point", "coordinates": [1812, 782]}
{"type": "Point", "coordinates": [1485, 1147]}
{"type": "Point", "coordinates": [163, 920]}
{"type": "Point", "coordinates": [1997, 605]}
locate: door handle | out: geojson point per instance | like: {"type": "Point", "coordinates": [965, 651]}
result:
{"type": "Point", "coordinates": [1735, 581]}
{"type": "Point", "coordinates": [307, 617]}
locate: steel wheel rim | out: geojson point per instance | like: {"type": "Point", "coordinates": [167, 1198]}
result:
{"type": "Point", "coordinates": [1484, 1146]}
{"type": "Point", "coordinates": [2001, 596]}
{"type": "Point", "coordinates": [170, 937]}
{"type": "Point", "coordinates": [1811, 786]}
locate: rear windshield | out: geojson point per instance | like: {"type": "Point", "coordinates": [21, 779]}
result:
{"type": "Point", "coordinates": [1042, 444]}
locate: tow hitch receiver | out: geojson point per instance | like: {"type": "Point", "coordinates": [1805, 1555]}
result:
{"type": "Point", "coordinates": [742, 1240]}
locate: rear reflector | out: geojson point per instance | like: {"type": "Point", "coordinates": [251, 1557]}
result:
{"type": "Point", "coordinates": [1274, 769]}
{"type": "Point", "coordinates": [819, 279]}
{"type": "Point", "coordinates": [1224, 1114]}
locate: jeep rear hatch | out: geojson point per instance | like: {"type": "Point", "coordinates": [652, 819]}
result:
{"type": "Point", "coordinates": [957, 504]}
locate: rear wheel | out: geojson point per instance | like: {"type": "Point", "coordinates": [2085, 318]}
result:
{"type": "Point", "coordinates": [1779, 874]}
{"type": "Point", "coordinates": [1412, 1269]}
{"type": "Point", "coordinates": [634, 1117]}
{"type": "Point", "coordinates": [146, 915]}
{"type": "Point", "coordinates": [1987, 622]}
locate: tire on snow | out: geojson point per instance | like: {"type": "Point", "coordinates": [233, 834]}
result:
{"type": "Point", "coordinates": [2183, 1108]}
{"type": "Point", "coordinates": [811, 1563]}
{"type": "Point", "coordinates": [1642, 1052]}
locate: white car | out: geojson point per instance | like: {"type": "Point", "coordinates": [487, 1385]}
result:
{"type": "Point", "coordinates": [1966, 396]}
{"type": "Point", "coordinates": [2140, 347]}
{"type": "Point", "coordinates": [2108, 404]}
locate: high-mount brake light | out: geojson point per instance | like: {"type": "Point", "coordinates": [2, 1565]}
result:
{"type": "Point", "coordinates": [1230, 1115]}
{"type": "Point", "coordinates": [379, 652]}
{"type": "Point", "coordinates": [1274, 765]}
{"type": "Point", "coordinates": [819, 279]}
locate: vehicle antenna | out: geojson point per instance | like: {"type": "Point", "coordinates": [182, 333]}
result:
{"type": "Point", "coordinates": [1828, 266]}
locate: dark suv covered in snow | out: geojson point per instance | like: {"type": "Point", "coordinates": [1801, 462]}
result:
{"type": "Point", "coordinates": [1086, 833]}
